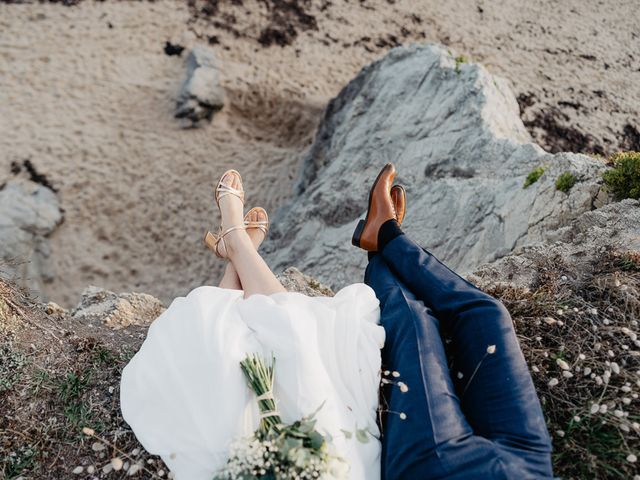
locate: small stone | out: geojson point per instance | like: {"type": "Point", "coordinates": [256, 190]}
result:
{"type": "Point", "coordinates": [567, 374]}
{"type": "Point", "coordinates": [91, 469]}
{"type": "Point", "coordinates": [631, 458]}
{"type": "Point", "coordinates": [562, 364]}
{"type": "Point", "coordinates": [97, 446]}
{"type": "Point", "coordinates": [88, 431]}
{"type": "Point", "coordinates": [553, 382]}
{"type": "Point", "coordinates": [594, 408]}
{"type": "Point", "coordinates": [78, 470]}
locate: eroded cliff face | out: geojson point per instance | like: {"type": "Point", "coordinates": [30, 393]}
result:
{"type": "Point", "coordinates": [454, 133]}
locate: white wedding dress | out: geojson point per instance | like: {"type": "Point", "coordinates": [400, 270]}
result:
{"type": "Point", "coordinates": [186, 399]}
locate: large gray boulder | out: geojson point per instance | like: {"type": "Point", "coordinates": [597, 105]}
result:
{"type": "Point", "coordinates": [201, 94]}
{"type": "Point", "coordinates": [29, 213]}
{"type": "Point", "coordinates": [454, 133]}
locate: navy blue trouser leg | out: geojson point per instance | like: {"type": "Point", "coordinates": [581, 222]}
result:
{"type": "Point", "coordinates": [434, 440]}
{"type": "Point", "coordinates": [491, 394]}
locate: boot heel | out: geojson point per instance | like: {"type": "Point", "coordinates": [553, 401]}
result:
{"type": "Point", "coordinates": [355, 240]}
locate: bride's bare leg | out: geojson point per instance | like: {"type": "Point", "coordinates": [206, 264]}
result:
{"type": "Point", "coordinates": [255, 275]}
{"type": "Point", "coordinates": [230, 279]}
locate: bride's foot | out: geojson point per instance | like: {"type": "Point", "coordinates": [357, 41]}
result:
{"type": "Point", "coordinates": [256, 222]}
{"type": "Point", "coordinates": [230, 199]}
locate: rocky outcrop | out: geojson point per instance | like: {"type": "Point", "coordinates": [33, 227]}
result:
{"type": "Point", "coordinates": [454, 133]}
{"type": "Point", "coordinates": [116, 310]}
{"type": "Point", "coordinates": [201, 94]}
{"type": "Point", "coordinates": [575, 248]}
{"type": "Point", "coordinates": [29, 213]}
{"type": "Point", "coordinates": [295, 281]}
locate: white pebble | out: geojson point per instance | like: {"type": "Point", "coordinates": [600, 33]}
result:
{"type": "Point", "coordinates": [88, 431]}
{"type": "Point", "coordinates": [553, 382]}
{"type": "Point", "coordinates": [91, 469]}
{"type": "Point", "coordinates": [576, 419]}
{"type": "Point", "coordinates": [567, 374]}
{"type": "Point", "coordinates": [582, 356]}
{"type": "Point", "coordinates": [594, 408]}
{"type": "Point", "coordinates": [587, 371]}
{"type": "Point", "coordinates": [134, 469]}
{"type": "Point", "coordinates": [78, 470]}
{"type": "Point", "coordinates": [625, 389]}
{"type": "Point", "coordinates": [535, 369]}
{"type": "Point", "coordinates": [135, 451]}
{"type": "Point", "coordinates": [618, 413]}
{"type": "Point", "coordinates": [560, 433]}
{"type": "Point", "coordinates": [603, 408]}
{"type": "Point", "coordinates": [631, 458]}
{"type": "Point", "coordinates": [610, 353]}
{"type": "Point", "coordinates": [562, 364]}
{"type": "Point", "coordinates": [615, 368]}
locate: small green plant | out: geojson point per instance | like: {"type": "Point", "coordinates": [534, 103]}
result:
{"type": "Point", "coordinates": [460, 59]}
{"type": "Point", "coordinates": [565, 182]}
{"type": "Point", "coordinates": [623, 180]}
{"type": "Point", "coordinates": [534, 176]}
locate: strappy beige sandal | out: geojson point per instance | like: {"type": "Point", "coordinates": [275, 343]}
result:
{"type": "Point", "coordinates": [259, 224]}
{"type": "Point", "coordinates": [212, 240]}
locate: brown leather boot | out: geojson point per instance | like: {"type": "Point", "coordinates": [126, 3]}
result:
{"type": "Point", "coordinates": [399, 199]}
{"type": "Point", "coordinates": [380, 210]}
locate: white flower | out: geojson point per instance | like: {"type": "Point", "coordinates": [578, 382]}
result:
{"type": "Point", "coordinates": [460, 375]}
{"type": "Point", "coordinates": [395, 374]}
{"type": "Point", "coordinates": [116, 463]}
{"type": "Point", "coordinates": [403, 387]}
{"type": "Point", "coordinates": [491, 349]}
{"type": "Point", "coordinates": [403, 416]}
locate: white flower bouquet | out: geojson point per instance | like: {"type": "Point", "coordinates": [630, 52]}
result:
{"type": "Point", "coordinates": [275, 450]}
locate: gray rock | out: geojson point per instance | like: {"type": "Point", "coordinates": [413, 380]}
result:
{"type": "Point", "coordinates": [116, 310]}
{"type": "Point", "coordinates": [29, 213]}
{"type": "Point", "coordinates": [462, 152]}
{"type": "Point", "coordinates": [201, 94]}
{"type": "Point", "coordinates": [575, 248]}
{"type": "Point", "coordinates": [295, 281]}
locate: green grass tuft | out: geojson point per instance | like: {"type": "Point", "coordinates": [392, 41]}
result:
{"type": "Point", "coordinates": [623, 180]}
{"type": "Point", "coordinates": [460, 59]}
{"type": "Point", "coordinates": [565, 182]}
{"type": "Point", "coordinates": [534, 176]}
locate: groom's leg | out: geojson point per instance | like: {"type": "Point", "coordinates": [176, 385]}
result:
{"type": "Point", "coordinates": [435, 440]}
{"type": "Point", "coordinates": [497, 394]}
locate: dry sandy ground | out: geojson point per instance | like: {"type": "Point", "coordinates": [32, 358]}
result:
{"type": "Point", "coordinates": [87, 94]}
